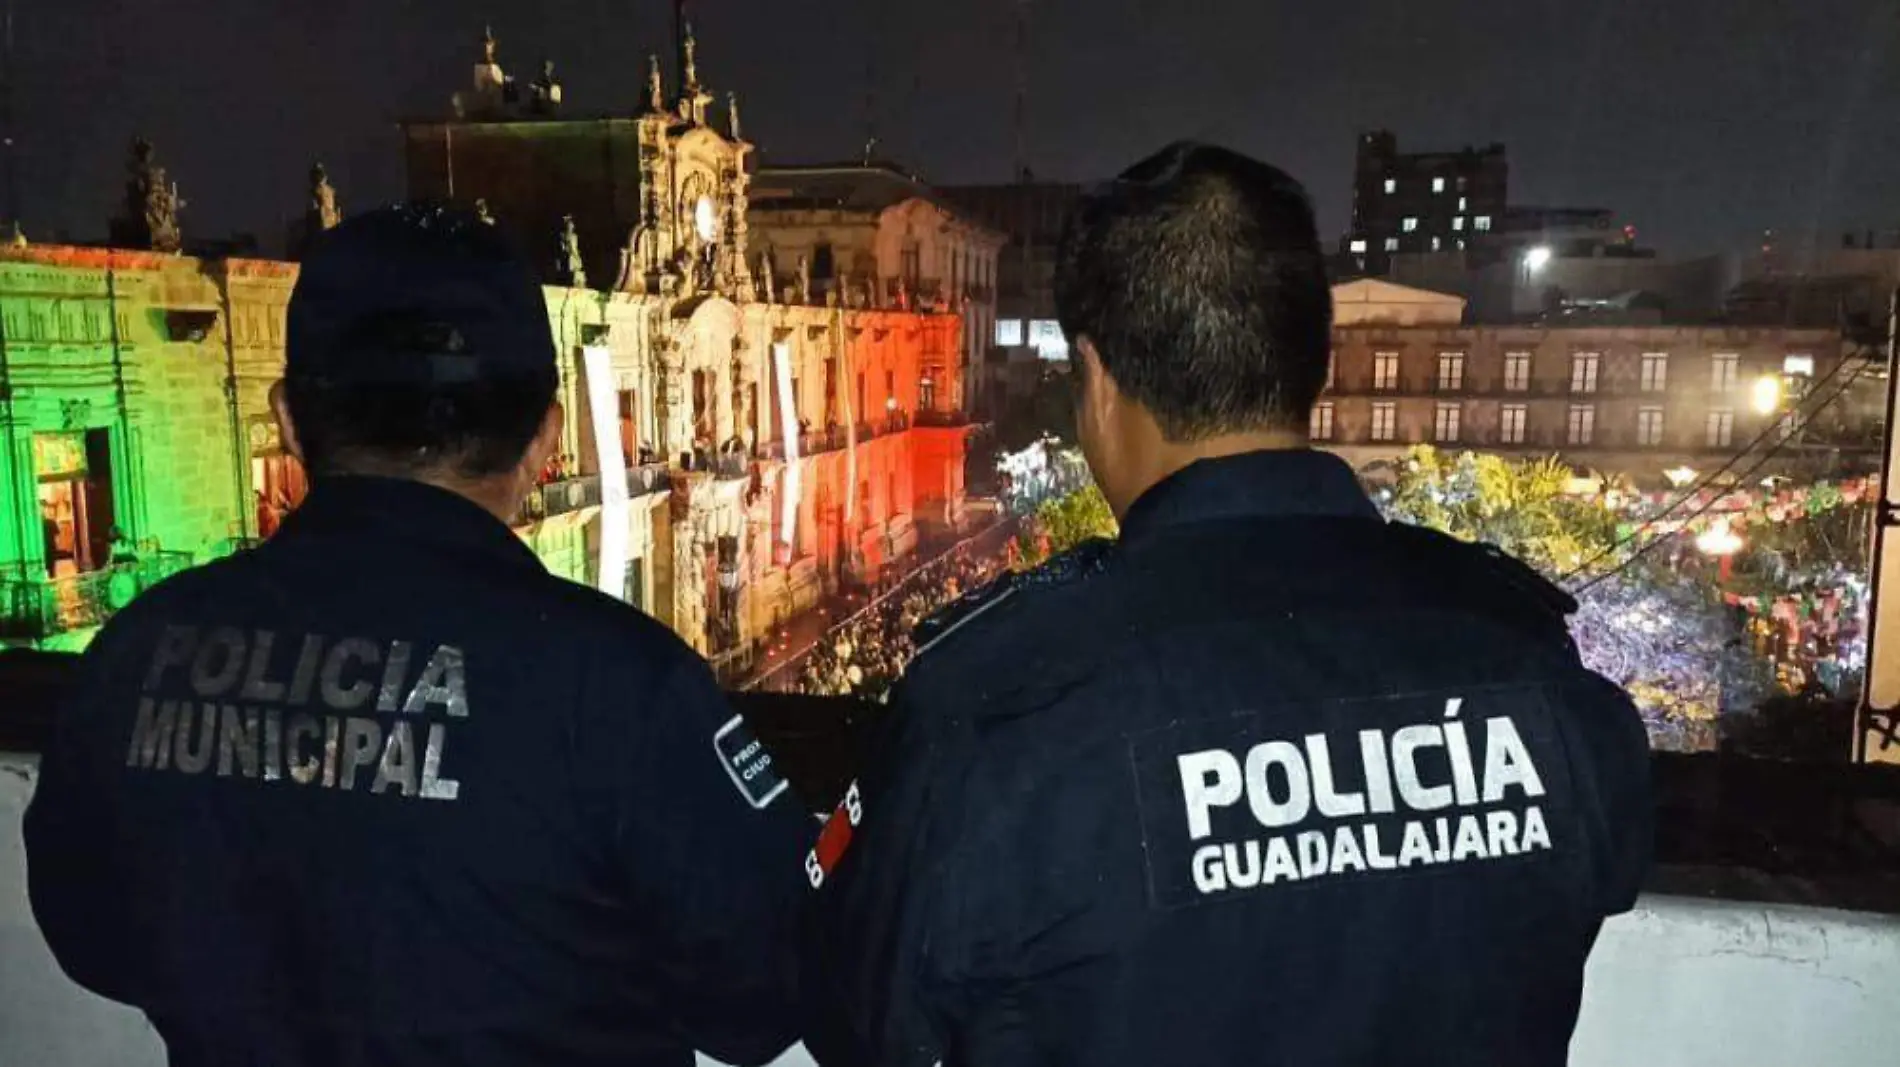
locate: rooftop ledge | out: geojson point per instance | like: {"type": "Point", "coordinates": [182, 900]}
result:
{"type": "Point", "coordinates": [1770, 933]}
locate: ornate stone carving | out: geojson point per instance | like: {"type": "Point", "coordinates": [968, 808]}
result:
{"type": "Point", "coordinates": [656, 87]}
{"type": "Point", "coordinates": [482, 214]}
{"type": "Point", "coordinates": [804, 279]}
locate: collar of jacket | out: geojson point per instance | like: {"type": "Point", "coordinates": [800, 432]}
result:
{"type": "Point", "coordinates": [1290, 483]}
{"type": "Point", "coordinates": [397, 509]}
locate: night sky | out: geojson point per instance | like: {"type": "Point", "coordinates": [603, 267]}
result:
{"type": "Point", "coordinates": [1701, 122]}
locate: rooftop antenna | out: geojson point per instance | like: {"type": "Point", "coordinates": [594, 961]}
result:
{"type": "Point", "coordinates": [1022, 90]}
{"type": "Point", "coordinates": [6, 116]}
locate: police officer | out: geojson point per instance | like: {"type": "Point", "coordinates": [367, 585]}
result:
{"type": "Point", "coordinates": [384, 791]}
{"type": "Point", "coordinates": [1268, 781]}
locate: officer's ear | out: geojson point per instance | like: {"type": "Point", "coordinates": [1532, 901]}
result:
{"type": "Point", "coordinates": [1096, 394]}
{"type": "Point", "coordinates": [286, 428]}
{"type": "Point", "coordinates": [547, 440]}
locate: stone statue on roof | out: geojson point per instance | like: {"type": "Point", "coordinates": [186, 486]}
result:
{"type": "Point", "coordinates": [568, 269]}
{"type": "Point", "coordinates": [689, 52]}
{"type": "Point", "coordinates": [152, 204]}
{"type": "Point", "coordinates": [324, 212]}
{"type": "Point", "coordinates": [544, 96]}
{"type": "Point", "coordinates": [732, 116]}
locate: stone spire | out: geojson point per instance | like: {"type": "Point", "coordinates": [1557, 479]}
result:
{"type": "Point", "coordinates": [656, 86]}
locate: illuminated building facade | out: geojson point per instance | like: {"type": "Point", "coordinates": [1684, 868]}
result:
{"type": "Point", "coordinates": [1618, 399]}
{"type": "Point", "coordinates": [732, 453]}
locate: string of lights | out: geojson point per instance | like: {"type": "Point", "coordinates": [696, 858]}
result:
{"type": "Point", "coordinates": [1744, 476]}
{"type": "Point", "coordinates": [1710, 479]}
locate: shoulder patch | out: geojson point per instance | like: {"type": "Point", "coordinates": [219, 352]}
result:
{"type": "Point", "coordinates": [749, 764]}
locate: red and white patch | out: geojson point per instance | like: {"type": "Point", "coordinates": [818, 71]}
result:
{"type": "Point", "coordinates": [835, 839]}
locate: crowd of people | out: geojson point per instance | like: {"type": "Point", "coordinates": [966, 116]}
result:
{"type": "Point", "coordinates": [864, 655]}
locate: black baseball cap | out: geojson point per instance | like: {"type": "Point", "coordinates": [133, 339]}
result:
{"type": "Point", "coordinates": [417, 294]}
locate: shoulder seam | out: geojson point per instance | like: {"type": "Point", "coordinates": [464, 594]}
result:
{"type": "Point", "coordinates": [964, 621]}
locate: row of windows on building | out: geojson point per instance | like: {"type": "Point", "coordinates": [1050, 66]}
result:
{"type": "Point", "coordinates": [1043, 335]}
{"type": "Point", "coordinates": [1513, 423]}
{"type": "Point", "coordinates": [1724, 371]}
{"type": "Point", "coordinates": [1439, 185]}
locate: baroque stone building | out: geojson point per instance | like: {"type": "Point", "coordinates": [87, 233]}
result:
{"type": "Point", "coordinates": [732, 453]}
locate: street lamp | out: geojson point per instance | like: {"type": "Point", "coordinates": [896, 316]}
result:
{"type": "Point", "coordinates": [1536, 259]}
{"type": "Point", "coordinates": [1767, 394]}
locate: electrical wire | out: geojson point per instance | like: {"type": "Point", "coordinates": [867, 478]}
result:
{"type": "Point", "coordinates": [1706, 508]}
{"type": "Point", "coordinates": [1709, 479]}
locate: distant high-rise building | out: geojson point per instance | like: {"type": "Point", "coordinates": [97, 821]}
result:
{"type": "Point", "coordinates": [1421, 201]}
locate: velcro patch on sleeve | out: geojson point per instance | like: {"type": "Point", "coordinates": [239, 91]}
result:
{"type": "Point", "coordinates": [835, 839]}
{"type": "Point", "coordinates": [749, 764]}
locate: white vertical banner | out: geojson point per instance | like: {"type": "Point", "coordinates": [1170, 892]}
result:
{"type": "Point", "coordinates": [603, 403]}
{"type": "Point", "coordinates": [788, 434]}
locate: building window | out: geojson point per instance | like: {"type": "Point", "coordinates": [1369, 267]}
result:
{"type": "Point", "coordinates": [1649, 426]}
{"type": "Point", "coordinates": [1385, 421]}
{"type": "Point", "coordinates": [1800, 364]}
{"type": "Point", "coordinates": [1451, 371]}
{"type": "Point", "coordinates": [1726, 368]}
{"type": "Point", "coordinates": [1329, 373]}
{"type": "Point", "coordinates": [1391, 186]}
{"type": "Point", "coordinates": [1358, 245]}
{"type": "Point", "coordinates": [1385, 371]}
{"type": "Point", "coordinates": [1458, 223]}
{"type": "Point", "coordinates": [1511, 425]}
{"type": "Point", "coordinates": [1009, 332]}
{"type": "Point", "coordinates": [1461, 244]}
{"type": "Point", "coordinates": [1410, 225]}
{"type": "Point", "coordinates": [1391, 244]}
{"type": "Point", "coordinates": [1517, 372]}
{"type": "Point", "coordinates": [1437, 242]}
{"type": "Point", "coordinates": [911, 264]}
{"type": "Point", "coordinates": [1461, 183]}
{"type": "Point", "coordinates": [1322, 422]}
{"type": "Point", "coordinates": [1583, 424]}
{"type": "Point", "coordinates": [1721, 428]}
{"type": "Point", "coordinates": [823, 264]}
{"type": "Point", "coordinates": [1655, 371]}
{"type": "Point", "coordinates": [1583, 372]}
{"type": "Point", "coordinates": [1445, 423]}
{"type": "Point", "coordinates": [1463, 204]}
{"type": "Point", "coordinates": [1481, 223]}
{"type": "Point", "coordinates": [1438, 185]}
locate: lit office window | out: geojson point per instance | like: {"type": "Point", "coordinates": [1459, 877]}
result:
{"type": "Point", "coordinates": [1358, 245]}
{"type": "Point", "coordinates": [1385, 421]}
{"type": "Point", "coordinates": [1799, 363]}
{"type": "Point", "coordinates": [1009, 332]}
{"type": "Point", "coordinates": [1385, 371]}
{"type": "Point", "coordinates": [1583, 424]}
{"type": "Point", "coordinates": [1438, 185]}
{"type": "Point", "coordinates": [1411, 224]}
{"type": "Point", "coordinates": [1391, 244]}
{"type": "Point", "coordinates": [1458, 224]}
{"type": "Point", "coordinates": [1725, 371]}
{"type": "Point", "coordinates": [1511, 425]}
{"type": "Point", "coordinates": [1655, 371]}
{"type": "Point", "coordinates": [1391, 186]}
{"type": "Point", "coordinates": [1583, 372]}
{"type": "Point", "coordinates": [1517, 372]}
{"type": "Point", "coordinates": [1445, 424]}
{"type": "Point", "coordinates": [1322, 426]}
{"type": "Point", "coordinates": [1481, 223]}
{"type": "Point", "coordinates": [1721, 429]}
{"type": "Point", "coordinates": [1649, 426]}
{"type": "Point", "coordinates": [1451, 371]}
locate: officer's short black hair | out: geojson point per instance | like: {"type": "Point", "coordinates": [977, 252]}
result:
{"type": "Point", "coordinates": [418, 341]}
{"type": "Point", "coordinates": [1198, 276]}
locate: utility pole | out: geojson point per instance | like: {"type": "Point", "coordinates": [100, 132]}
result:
{"type": "Point", "coordinates": [1877, 720]}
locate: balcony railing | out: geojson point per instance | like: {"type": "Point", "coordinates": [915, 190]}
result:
{"type": "Point", "coordinates": [647, 479]}
{"type": "Point", "coordinates": [942, 419]}
{"type": "Point", "coordinates": [38, 608]}
{"type": "Point", "coordinates": [564, 497]}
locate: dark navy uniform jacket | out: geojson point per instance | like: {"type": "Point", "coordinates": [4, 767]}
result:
{"type": "Point", "coordinates": [1269, 781]}
{"type": "Point", "coordinates": [383, 791]}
